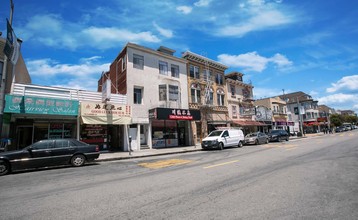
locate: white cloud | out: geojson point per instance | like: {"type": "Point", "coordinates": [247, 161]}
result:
{"type": "Point", "coordinates": [252, 61]}
{"type": "Point", "coordinates": [61, 34]}
{"type": "Point", "coordinates": [346, 83]}
{"type": "Point", "coordinates": [340, 101]}
{"type": "Point", "coordinates": [165, 32]}
{"type": "Point", "coordinates": [52, 73]}
{"type": "Point", "coordinates": [202, 3]}
{"type": "Point", "coordinates": [261, 20]}
{"type": "Point", "coordinates": [51, 68]}
{"type": "Point", "coordinates": [185, 9]}
{"type": "Point", "coordinates": [280, 60]}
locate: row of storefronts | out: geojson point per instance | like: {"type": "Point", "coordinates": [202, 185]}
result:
{"type": "Point", "coordinates": [108, 125]}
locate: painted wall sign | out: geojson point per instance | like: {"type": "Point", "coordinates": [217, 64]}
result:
{"type": "Point", "coordinates": [40, 105]}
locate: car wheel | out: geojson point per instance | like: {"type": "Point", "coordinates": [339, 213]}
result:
{"type": "Point", "coordinates": [78, 160]}
{"type": "Point", "coordinates": [257, 142]}
{"type": "Point", "coordinates": [4, 167]}
{"type": "Point", "coordinates": [221, 146]}
{"type": "Point", "coordinates": [267, 141]}
{"type": "Point", "coordinates": [286, 138]}
{"type": "Point", "coordinates": [279, 139]}
{"type": "Point", "coordinates": [240, 144]}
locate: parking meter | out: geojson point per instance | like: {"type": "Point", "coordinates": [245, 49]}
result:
{"type": "Point", "coordinates": [130, 145]}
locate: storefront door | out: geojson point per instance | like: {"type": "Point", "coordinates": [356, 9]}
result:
{"type": "Point", "coordinates": [24, 136]}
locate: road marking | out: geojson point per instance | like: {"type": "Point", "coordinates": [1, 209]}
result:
{"type": "Point", "coordinates": [220, 164]}
{"type": "Point", "coordinates": [164, 163]}
{"type": "Point", "coordinates": [292, 148]}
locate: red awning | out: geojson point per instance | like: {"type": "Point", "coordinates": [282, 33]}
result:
{"type": "Point", "coordinates": [248, 123]}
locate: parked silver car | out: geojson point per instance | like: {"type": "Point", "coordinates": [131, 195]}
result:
{"type": "Point", "coordinates": [256, 138]}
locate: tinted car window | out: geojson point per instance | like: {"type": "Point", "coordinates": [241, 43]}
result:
{"type": "Point", "coordinates": [42, 144]}
{"type": "Point", "coordinates": [226, 134]}
{"type": "Point", "coordinates": [74, 142]}
{"type": "Point", "coordinates": [61, 143]}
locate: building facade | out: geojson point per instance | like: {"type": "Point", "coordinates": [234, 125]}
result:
{"type": "Point", "coordinates": [207, 93]}
{"type": "Point", "coordinates": [281, 118]}
{"type": "Point", "coordinates": [155, 83]}
{"type": "Point", "coordinates": [303, 110]}
{"type": "Point", "coordinates": [241, 108]}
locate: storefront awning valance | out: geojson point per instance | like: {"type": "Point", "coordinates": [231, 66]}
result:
{"type": "Point", "coordinates": [100, 113]}
{"type": "Point", "coordinates": [248, 123]}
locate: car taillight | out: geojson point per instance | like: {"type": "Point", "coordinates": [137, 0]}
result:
{"type": "Point", "coordinates": [97, 148]}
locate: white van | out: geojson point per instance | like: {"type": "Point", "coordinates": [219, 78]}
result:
{"type": "Point", "coordinates": [223, 138]}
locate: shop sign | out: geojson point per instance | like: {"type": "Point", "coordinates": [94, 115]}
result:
{"type": "Point", "coordinates": [174, 114]}
{"type": "Point", "coordinates": [40, 105]}
{"type": "Point", "coordinates": [100, 109]}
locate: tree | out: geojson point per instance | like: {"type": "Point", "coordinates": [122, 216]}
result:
{"type": "Point", "coordinates": [336, 119]}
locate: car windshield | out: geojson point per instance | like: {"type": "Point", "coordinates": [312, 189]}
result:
{"type": "Point", "coordinates": [275, 132]}
{"type": "Point", "coordinates": [215, 133]}
{"type": "Point", "coordinates": [251, 135]}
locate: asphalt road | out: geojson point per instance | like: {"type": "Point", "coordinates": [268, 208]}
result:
{"type": "Point", "coordinates": [315, 178]}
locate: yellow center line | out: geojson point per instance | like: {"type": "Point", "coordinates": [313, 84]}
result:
{"type": "Point", "coordinates": [220, 164]}
{"type": "Point", "coordinates": [292, 148]}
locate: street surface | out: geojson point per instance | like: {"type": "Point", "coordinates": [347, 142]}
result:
{"type": "Point", "coordinates": [311, 178]}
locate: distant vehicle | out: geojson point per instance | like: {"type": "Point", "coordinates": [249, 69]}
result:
{"type": "Point", "coordinates": [340, 129]}
{"type": "Point", "coordinates": [46, 153]}
{"type": "Point", "coordinates": [278, 135]}
{"type": "Point", "coordinates": [223, 138]}
{"type": "Point", "coordinates": [256, 138]}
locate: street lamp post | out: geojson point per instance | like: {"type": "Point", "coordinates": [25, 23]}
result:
{"type": "Point", "coordinates": [299, 117]}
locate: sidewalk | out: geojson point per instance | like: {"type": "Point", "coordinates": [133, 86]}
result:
{"type": "Point", "coordinates": [109, 156]}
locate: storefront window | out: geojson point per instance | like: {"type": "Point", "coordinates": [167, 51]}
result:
{"type": "Point", "coordinates": [94, 134]}
{"type": "Point", "coordinates": [164, 133]}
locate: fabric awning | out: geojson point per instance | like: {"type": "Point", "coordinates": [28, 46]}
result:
{"type": "Point", "coordinates": [249, 123]}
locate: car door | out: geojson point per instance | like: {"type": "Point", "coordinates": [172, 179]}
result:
{"type": "Point", "coordinates": [226, 138]}
{"type": "Point", "coordinates": [260, 138]}
{"type": "Point", "coordinates": [62, 151]}
{"type": "Point", "coordinates": [40, 154]}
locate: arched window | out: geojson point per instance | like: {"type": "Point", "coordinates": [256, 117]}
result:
{"type": "Point", "coordinates": [220, 97]}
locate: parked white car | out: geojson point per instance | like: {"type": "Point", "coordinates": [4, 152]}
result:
{"type": "Point", "coordinates": [224, 138]}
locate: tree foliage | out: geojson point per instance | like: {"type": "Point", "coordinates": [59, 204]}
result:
{"type": "Point", "coordinates": [338, 120]}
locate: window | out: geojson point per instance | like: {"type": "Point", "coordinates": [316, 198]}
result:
{"type": "Point", "coordinates": [207, 75]}
{"type": "Point", "coordinates": [62, 143]}
{"type": "Point", "coordinates": [42, 145]}
{"type": "Point", "coordinates": [162, 92]}
{"type": "Point", "coordinates": [173, 93]}
{"type": "Point", "coordinates": [138, 61]}
{"type": "Point", "coordinates": [195, 93]}
{"type": "Point", "coordinates": [124, 62]}
{"type": "Point", "coordinates": [137, 96]}
{"type": "Point", "coordinates": [194, 72]}
{"type": "Point", "coordinates": [209, 96]}
{"type": "Point", "coordinates": [163, 68]}
{"type": "Point", "coordinates": [221, 97]}
{"type": "Point", "coordinates": [175, 70]}
{"type": "Point", "coordinates": [232, 89]}
{"type": "Point", "coordinates": [219, 79]}
{"type": "Point", "coordinates": [234, 112]}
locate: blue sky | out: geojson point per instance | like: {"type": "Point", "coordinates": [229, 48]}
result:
{"type": "Point", "coordinates": [305, 45]}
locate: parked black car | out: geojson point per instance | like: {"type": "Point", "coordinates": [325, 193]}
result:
{"type": "Point", "coordinates": [46, 153]}
{"type": "Point", "coordinates": [278, 135]}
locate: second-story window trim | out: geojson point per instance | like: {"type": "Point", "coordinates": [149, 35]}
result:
{"type": "Point", "coordinates": [138, 61]}
{"type": "Point", "coordinates": [163, 68]}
